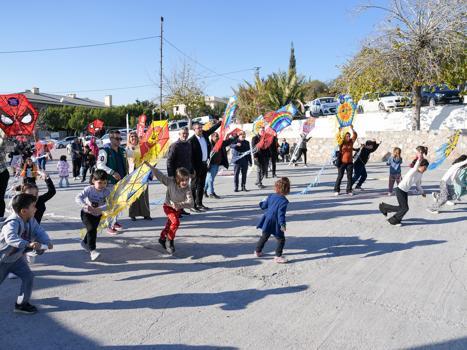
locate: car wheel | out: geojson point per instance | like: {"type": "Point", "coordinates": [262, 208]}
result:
{"type": "Point", "coordinates": [432, 102]}
{"type": "Point", "coordinates": [60, 146]}
{"type": "Point", "coordinates": [381, 107]}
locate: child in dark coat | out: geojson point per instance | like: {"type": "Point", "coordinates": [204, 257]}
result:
{"type": "Point", "coordinates": [273, 221]}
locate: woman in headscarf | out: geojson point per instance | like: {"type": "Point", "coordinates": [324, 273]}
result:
{"type": "Point", "coordinates": [141, 206]}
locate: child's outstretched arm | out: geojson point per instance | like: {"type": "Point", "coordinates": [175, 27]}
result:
{"type": "Point", "coordinates": [158, 174]}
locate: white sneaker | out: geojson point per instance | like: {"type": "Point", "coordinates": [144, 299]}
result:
{"type": "Point", "coordinates": [389, 194]}
{"type": "Point", "coordinates": [336, 193]}
{"type": "Point", "coordinates": [12, 276]}
{"type": "Point", "coordinates": [432, 211]}
{"type": "Point", "coordinates": [451, 203]}
{"type": "Point", "coordinates": [434, 195]}
{"type": "Point", "coordinates": [94, 254]}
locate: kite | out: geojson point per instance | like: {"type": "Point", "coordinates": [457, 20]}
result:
{"type": "Point", "coordinates": [95, 126]}
{"type": "Point", "coordinates": [153, 147]}
{"type": "Point", "coordinates": [278, 120]}
{"type": "Point", "coordinates": [258, 123]}
{"type": "Point", "coordinates": [308, 125]}
{"type": "Point", "coordinates": [227, 119]}
{"type": "Point", "coordinates": [17, 115]}
{"type": "Point", "coordinates": [345, 112]}
{"type": "Point", "coordinates": [445, 150]}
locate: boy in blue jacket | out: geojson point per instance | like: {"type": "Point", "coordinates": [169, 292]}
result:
{"type": "Point", "coordinates": [21, 233]}
{"type": "Point", "coordinates": [273, 221]}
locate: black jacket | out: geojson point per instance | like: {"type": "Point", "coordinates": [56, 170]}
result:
{"type": "Point", "coordinates": [220, 158]}
{"type": "Point", "coordinates": [196, 153]}
{"type": "Point", "coordinates": [365, 152]}
{"type": "Point", "coordinates": [179, 156]}
{"type": "Point", "coordinates": [262, 155]}
{"type": "Point", "coordinates": [40, 204]}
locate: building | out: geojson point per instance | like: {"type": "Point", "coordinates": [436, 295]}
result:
{"type": "Point", "coordinates": [211, 101]}
{"type": "Point", "coordinates": [42, 100]}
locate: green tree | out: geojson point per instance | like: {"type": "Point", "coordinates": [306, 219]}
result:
{"type": "Point", "coordinates": [315, 89]}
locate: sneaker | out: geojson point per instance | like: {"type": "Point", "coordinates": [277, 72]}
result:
{"type": "Point", "coordinates": [350, 193]}
{"type": "Point", "coordinates": [111, 231]}
{"type": "Point", "coordinates": [380, 207]}
{"type": "Point", "coordinates": [280, 260]}
{"type": "Point", "coordinates": [12, 276]}
{"type": "Point", "coordinates": [148, 218]}
{"type": "Point", "coordinates": [258, 254]}
{"type": "Point", "coordinates": [451, 203]}
{"type": "Point", "coordinates": [336, 193]}
{"type": "Point", "coordinates": [432, 211]}
{"type": "Point", "coordinates": [215, 196]}
{"type": "Point", "coordinates": [84, 246]}
{"type": "Point", "coordinates": [389, 194]}
{"type": "Point", "coordinates": [170, 247]}
{"type": "Point", "coordinates": [94, 254]}
{"type": "Point", "coordinates": [398, 224]}
{"type": "Point", "coordinates": [118, 227]}
{"type": "Point", "coordinates": [162, 243]}
{"type": "Point", "coordinates": [25, 308]}
{"type": "Point", "coordinates": [236, 190]}
{"type": "Point", "coordinates": [434, 195]}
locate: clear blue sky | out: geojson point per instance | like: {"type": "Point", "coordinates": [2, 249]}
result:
{"type": "Point", "coordinates": [223, 35]}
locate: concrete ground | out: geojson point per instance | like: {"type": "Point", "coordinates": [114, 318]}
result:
{"type": "Point", "coordinates": [353, 281]}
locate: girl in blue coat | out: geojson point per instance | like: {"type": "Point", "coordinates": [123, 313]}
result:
{"type": "Point", "coordinates": [273, 221]}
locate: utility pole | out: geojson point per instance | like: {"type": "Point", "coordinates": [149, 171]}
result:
{"type": "Point", "coordinates": [160, 86]}
{"type": "Point", "coordinates": [257, 71]}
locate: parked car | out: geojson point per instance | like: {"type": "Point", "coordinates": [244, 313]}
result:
{"type": "Point", "coordinates": [323, 106]}
{"type": "Point", "coordinates": [64, 142]}
{"type": "Point", "coordinates": [104, 140]}
{"type": "Point", "coordinates": [177, 124]}
{"type": "Point", "coordinates": [203, 120]}
{"type": "Point", "coordinates": [442, 94]}
{"type": "Point", "coordinates": [381, 101]}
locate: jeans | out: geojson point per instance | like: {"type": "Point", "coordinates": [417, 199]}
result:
{"type": "Point", "coordinates": [340, 174]}
{"type": "Point", "coordinates": [400, 210]}
{"type": "Point", "coordinates": [264, 238]}
{"type": "Point", "coordinates": [172, 224]}
{"type": "Point", "coordinates": [63, 179]}
{"type": "Point", "coordinates": [41, 163]}
{"type": "Point", "coordinates": [359, 173]}
{"type": "Point", "coordinates": [21, 269]}
{"type": "Point", "coordinates": [209, 185]}
{"type": "Point", "coordinates": [243, 169]}
{"type": "Point", "coordinates": [4, 177]}
{"type": "Point", "coordinates": [91, 223]}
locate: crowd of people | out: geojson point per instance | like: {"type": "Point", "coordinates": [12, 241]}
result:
{"type": "Point", "coordinates": [191, 169]}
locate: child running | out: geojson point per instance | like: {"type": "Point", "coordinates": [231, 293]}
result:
{"type": "Point", "coordinates": [395, 170]}
{"type": "Point", "coordinates": [446, 186]}
{"type": "Point", "coordinates": [63, 172]}
{"type": "Point", "coordinates": [21, 233]}
{"type": "Point", "coordinates": [93, 201]}
{"type": "Point", "coordinates": [273, 221]}
{"type": "Point", "coordinates": [177, 197]}
{"type": "Point", "coordinates": [413, 176]}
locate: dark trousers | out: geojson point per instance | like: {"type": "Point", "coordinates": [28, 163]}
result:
{"type": "Point", "coordinates": [400, 210]}
{"type": "Point", "coordinates": [273, 165]}
{"type": "Point", "coordinates": [243, 169]}
{"type": "Point", "coordinates": [76, 167]}
{"type": "Point", "coordinates": [340, 174]}
{"type": "Point", "coordinates": [91, 223]}
{"type": "Point", "coordinates": [360, 174]}
{"type": "Point", "coordinates": [197, 187]}
{"type": "Point", "coordinates": [264, 238]}
{"type": "Point", "coordinates": [261, 170]}
{"type": "Point", "coordinates": [301, 152]}
{"type": "Point", "coordinates": [4, 176]}
{"type": "Point", "coordinates": [21, 269]}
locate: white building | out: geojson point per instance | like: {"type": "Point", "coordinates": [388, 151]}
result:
{"type": "Point", "coordinates": [211, 101]}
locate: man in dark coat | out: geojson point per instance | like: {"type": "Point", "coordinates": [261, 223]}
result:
{"type": "Point", "coordinates": [273, 150]}
{"type": "Point", "coordinates": [179, 155]}
{"type": "Point", "coordinates": [200, 152]}
{"type": "Point", "coordinates": [240, 163]}
{"type": "Point", "coordinates": [261, 159]}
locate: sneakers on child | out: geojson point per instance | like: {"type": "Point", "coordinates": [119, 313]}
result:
{"type": "Point", "coordinates": [118, 227]}
{"type": "Point", "coordinates": [432, 211]}
{"type": "Point", "coordinates": [451, 203]}
{"type": "Point", "coordinates": [170, 246]}
{"type": "Point", "coordinates": [397, 224]}
{"type": "Point", "coordinates": [25, 308]}
{"type": "Point", "coordinates": [112, 231]}
{"type": "Point", "coordinates": [434, 195]}
{"type": "Point", "coordinates": [336, 193]}
{"type": "Point", "coordinates": [258, 254]}
{"type": "Point", "coordinates": [280, 260]}
{"type": "Point", "coordinates": [94, 254]}
{"type": "Point", "coordinates": [162, 243]}
{"type": "Point", "coordinates": [350, 193]}
{"type": "Point", "coordinates": [390, 194]}
{"type": "Point", "coordinates": [380, 207]}
{"type": "Point", "coordinates": [84, 246]}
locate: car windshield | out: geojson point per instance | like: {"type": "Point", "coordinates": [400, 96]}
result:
{"type": "Point", "coordinates": [442, 88]}
{"type": "Point", "coordinates": [327, 100]}
{"type": "Point", "coordinates": [387, 94]}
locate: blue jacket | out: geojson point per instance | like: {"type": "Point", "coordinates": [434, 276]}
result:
{"type": "Point", "coordinates": [394, 166]}
{"type": "Point", "coordinates": [274, 218]}
{"type": "Point", "coordinates": [16, 235]}
{"type": "Point", "coordinates": [237, 151]}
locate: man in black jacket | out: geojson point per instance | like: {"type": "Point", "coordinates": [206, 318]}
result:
{"type": "Point", "coordinates": [240, 163]}
{"type": "Point", "coordinates": [200, 152]}
{"type": "Point", "coordinates": [360, 160]}
{"type": "Point", "coordinates": [179, 155]}
{"type": "Point", "coordinates": [261, 159]}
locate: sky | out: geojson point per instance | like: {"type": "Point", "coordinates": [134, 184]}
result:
{"type": "Point", "coordinates": [216, 37]}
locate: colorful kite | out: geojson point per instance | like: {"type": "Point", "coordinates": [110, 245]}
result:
{"type": "Point", "coordinates": [227, 119]}
{"type": "Point", "coordinates": [278, 120]}
{"type": "Point", "coordinates": [445, 150]}
{"type": "Point", "coordinates": [95, 126]}
{"type": "Point", "coordinates": [17, 115]}
{"type": "Point", "coordinates": [345, 111]}
{"type": "Point", "coordinates": [128, 189]}
{"type": "Point", "coordinates": [258, 123]}
{"type": "Point", "coordinates": [308, 125]}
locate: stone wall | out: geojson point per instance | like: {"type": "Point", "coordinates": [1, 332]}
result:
{"type": "Point", "coordinates": [320, 149]}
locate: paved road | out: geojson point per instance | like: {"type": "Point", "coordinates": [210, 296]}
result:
{"type": "Point", "coordinates": [353, 282]}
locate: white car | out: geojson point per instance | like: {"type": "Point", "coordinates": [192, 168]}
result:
{"type": "Point", "coordinates": [323, 106]}
{"type": "Point", "coordinates": [381, 101]}
{"type": "Point", "coordinates": [177, 124]}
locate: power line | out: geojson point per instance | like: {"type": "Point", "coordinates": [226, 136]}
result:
{"type": "Point", "coordinates": [82, 46]}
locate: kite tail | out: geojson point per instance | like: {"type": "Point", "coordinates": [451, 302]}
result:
{"type": "Point", "coordinates": [315, 182]}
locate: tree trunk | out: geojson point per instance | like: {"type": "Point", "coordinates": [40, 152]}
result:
{"type": "Point", "coordinates": [417, 104]}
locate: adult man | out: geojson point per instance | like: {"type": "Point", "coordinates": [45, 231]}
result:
{"type": "Point", "coordinates": [240, 163]}
{"type": "Point", "coordinates": [273, 150]}
{"type": "Point", "coordinates": [76, 155]}
{"type": "Point", "coordinates": [113, 160]}
{"type": "Point", "coordinates": [261, 158]}
{"type": "Point", "coordinates": [200, 152]}
{"type": "Point", "coordinates": [179, 156]}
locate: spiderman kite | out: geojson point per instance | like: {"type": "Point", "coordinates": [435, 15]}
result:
{"type": "Point", "coordinates": [17, 115]}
